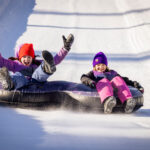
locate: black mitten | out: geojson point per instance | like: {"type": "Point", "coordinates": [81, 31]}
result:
{"type": "Point", "coordinates": [139, 87]}
{"type": "Point", "coordinates": [68, 42]}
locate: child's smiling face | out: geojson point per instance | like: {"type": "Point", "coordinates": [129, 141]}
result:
{"type": "Point", "coordinates": [100, 67]}
{"type": "Point", "coordinates": [26, 60]}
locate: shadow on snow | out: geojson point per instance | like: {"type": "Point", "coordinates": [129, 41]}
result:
{"type": "Point", "coordinates": [13, 23]}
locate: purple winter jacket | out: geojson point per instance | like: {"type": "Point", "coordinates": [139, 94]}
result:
{"type": "Point", "coordinates": [16, 65]}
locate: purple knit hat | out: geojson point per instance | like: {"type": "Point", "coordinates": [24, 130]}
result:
{"type": "Point", "coordinates": [100, 58]}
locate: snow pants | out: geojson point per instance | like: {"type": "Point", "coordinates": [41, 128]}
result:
{"type": "Point", "coordinates": [105, 88]}
{"type": "Point", "coordinates": [20, 80]}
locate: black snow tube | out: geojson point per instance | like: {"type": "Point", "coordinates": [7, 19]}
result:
{"type": "Point", "coordinates": [61, 93]}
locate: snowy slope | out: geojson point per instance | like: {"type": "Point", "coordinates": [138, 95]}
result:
{"type": "Point", "coordinates": [120, 28]}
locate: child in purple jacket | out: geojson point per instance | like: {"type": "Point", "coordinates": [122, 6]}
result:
{"type": "Point", "coordinates": [26, 68]}
{"type": "Point", "coordinates": [105, 81]}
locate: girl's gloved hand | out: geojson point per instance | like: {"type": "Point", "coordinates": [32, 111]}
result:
{"type": "Point", "coordinates": [68, 42]}
{"type": "Point", "coordinates": [139, 87]}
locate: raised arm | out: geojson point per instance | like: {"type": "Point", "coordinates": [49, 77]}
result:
{"type": "Point", "coordinates": [66, 48]}
{"type": "Point", "coordinates": [60, 56]}
{"type": "Point", "coordinates": [10, 65]}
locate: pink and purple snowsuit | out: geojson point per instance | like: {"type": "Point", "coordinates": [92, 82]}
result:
{"type": "Point", "coordinates": [110, 81]}
{"type": "Point", "coordinates": [37, 72]}
{"type": "Point", "coordinates": [106, 83]}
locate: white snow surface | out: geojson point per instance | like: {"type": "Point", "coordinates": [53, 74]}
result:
{"type": "Point", "coordinates": [119, 28]}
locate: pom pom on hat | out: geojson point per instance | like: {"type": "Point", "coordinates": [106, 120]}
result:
{"type": "Point", "coordinates": [26, 50]}
{"type": "Point", "coordinates": [100, 58]}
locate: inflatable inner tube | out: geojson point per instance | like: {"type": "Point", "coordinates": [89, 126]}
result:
{"type": "Point", "coordinates": [61, 93]}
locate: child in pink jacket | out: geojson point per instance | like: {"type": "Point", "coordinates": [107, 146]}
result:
{"type": "Point", "coordinates": [105, 81]}
{"type": "Point", "coordinates": [26, 68]}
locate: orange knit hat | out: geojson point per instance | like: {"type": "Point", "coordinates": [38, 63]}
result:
{"type": "Point", "coordinates": [26, 50]}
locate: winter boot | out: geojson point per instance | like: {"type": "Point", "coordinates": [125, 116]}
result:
{"type": "Point", "coordinates": [49, 65]}
{"type": "Point", "coordinates": [5, 79]}
{"type": "Point", "coordinates": [130, 104]}
{"type": "Point", "coordinates": [109, 104]}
